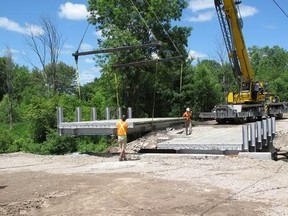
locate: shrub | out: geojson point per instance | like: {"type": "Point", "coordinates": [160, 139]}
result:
{"type": "Point", "coordinates": [56, 144]}
{"type": "Point", "coordinates": [5, 141]}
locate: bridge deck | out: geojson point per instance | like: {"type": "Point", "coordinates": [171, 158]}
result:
{"type": "Point", "coordinates": [205, 138]}
{"type": "Point", "coordinates": [108, 127]}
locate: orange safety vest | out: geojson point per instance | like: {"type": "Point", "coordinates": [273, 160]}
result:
{"type": "Point", "coordinates": [122, 128]}
{"type": "Point", "coordinates": [187, 116]}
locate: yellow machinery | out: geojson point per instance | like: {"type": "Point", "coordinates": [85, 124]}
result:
{"type": "Point", "coordinates": [252, 101]}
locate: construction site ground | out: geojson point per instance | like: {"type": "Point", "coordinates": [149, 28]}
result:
{"type": "Point", "coordinates": [146, 184]}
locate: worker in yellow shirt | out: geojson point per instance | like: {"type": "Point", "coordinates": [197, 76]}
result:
{"type": "Point", "coordinates": [188, 115]}
{"type": "Point", "coordinates": [122, 128]}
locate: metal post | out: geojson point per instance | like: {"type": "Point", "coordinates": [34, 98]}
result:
{"type": "Point", "coordinates": [269, 136]}
{"type": "Point", "coordinates": [259, 135]}
{"type": "Point", "coordinates": [245, 144]}
{"type": "Point", "coordinates": [264, 138]}
{"type": "Point", "coordinates": [273, 122]}
{"type": "Point", "coordinates": [269, 128]}
{"type": "Point", "coordinates": [107, 113]}
{"type": "Point", "coordinates": [119, 112]}
{"type": "Point", "coordinates": [129, 112]}
{"type": "Point", "coordinates": [93, 114]}
{"type": "Point", "coordinates": [78, 114]}
{"type": "Point", "coordinates": [252, 135]}
{"type": "Point", "coordinates": [59, 119]}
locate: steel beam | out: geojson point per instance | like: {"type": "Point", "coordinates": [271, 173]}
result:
{"type": "Point", "coordinates": [108, 127]}
{"type": "Point", "coordinates": [115, 49]}
{"type": "Point", "coordinates": [140, 63]}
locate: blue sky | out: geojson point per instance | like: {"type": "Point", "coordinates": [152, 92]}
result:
{"type": "Point", "coordinates": [264, 24]}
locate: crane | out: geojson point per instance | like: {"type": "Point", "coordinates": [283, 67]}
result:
{"type": "Point", "coordinates": [252, 101]}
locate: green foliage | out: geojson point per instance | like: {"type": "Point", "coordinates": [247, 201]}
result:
{"type": "Point", "coordinates": [5, 141]}
{"type": "Point", "coordinates": [56, 144]}
{"type": "Point", "coordinates": [270, 65]}
{"type": "Point", "coordinates": [65, 78]}
{"type": "Point", "coordinates": [201, 89]}
{"type": "Point", "coordinates": [280, 85]}
{"type": "Point", "coordinates": [3, 84]}
{"type": "Point", "coordinates": [4, 117]}
{"type": "Point", "coordinates": [41, 112]}
{"type": "Point", "coordinates": [30, 147]}
{"type": "Point", "coordinates": [93, 145]}
{"type": "Point", "coordinates": [162, 89]}
{"type": "Point", "coordinates": [13, 140]}
{"type": "Point", "coordinates": [122, 25]}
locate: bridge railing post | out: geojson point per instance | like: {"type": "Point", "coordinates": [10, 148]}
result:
{"type": "Point", "coordinates": [78, 114]}
{"type": "Point", "coordinates": [259, 135]}
{"type": "Point", "coordinates": [129, 112]}
{"type": "Point", "coordinates": [245, 138]}
{"type": "Point", "coordinates": [107, 113]}
{"type": "Point", "coordinates": [93, 114]}
{"type": "Point", "coordinates": [60, 119]}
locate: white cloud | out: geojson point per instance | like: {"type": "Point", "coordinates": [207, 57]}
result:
{"type": "Point", "coordinates": [196, 55]}
{"type": "Point", "coordinates": [68, 46]}
{"type": "Point", "coordinates": [197, 5]}
{"type": "Point", "coordinates": [201, 10]}
{"type": "Point", "coordinates": [202, 17]}
{"type": "Point", "coordinates": [10, 25]}
{"type": "Point", "coordinates": [88, 75]}
{"type": "Point", "coordinates": [270, 27]}
{"type": "Point", "coordinates": [89, 60]}
{"type": "Point", "coordinates": [86, 47]}
{"type": "Point", "coordinates": [33, 29]}
{"type": "Point", "coordinates": [98, 33]}
{"type": "Point", "coordinates": [13, 51]}
{"type": "Point", "coordinates": [246, 10]}
{"type": "Point", "coordinates": [73, 11]}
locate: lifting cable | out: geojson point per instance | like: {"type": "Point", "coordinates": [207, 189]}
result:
{"type": "Point", "coordinates": [154, 93]}
{"type": "Point", "coordinates": [117, 89]}
{"type": "Point", "coordinates": [280, 8]}
{"type": "Point", "coordinates": [156, 65]}
{"type": "Point", "coordinates": [181, 78]}
{"type": "Point", "coordinates": [76, 61]}
{"type": "Point", "coordinates": [174, 45]}
{"type": "Point", "coordinates": [163, 28]}
{"type": "Point", "coordinates": [154, 37]}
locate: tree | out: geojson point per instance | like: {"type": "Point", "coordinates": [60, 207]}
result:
{"type": "Point", "coordinates": [225, 72]}
{"type": "Point", "coordinates": [201, 88]}
{"type": "Point", "coordinates": [7, 88]}
{"type": "Point", "coordinates": [270, 65]}
{"type": "Point", "coordinates": [46, 44]}
{"type": "Point", "coordinates": [65, 78]}
{"type": "Point", "coordinates": [124, 24]}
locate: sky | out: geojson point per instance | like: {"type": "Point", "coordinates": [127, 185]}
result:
{"type": "Point", "coordinates": [265, 24]}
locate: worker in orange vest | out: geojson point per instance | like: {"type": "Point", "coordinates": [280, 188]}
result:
{"type": "Point", "coordinates": [122, 128]}
{"type": "Point", "coordinates": [188, 115]}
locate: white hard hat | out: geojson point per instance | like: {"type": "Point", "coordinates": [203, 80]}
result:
{"type": "Point", "coordinates": [188, 109]}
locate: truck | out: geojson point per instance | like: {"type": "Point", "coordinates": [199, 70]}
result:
{"type": "Point", "coordinates": [252, 101]}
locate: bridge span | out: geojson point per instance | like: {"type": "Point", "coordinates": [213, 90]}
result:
{"type": "Point", "coordinates": [108, 126]}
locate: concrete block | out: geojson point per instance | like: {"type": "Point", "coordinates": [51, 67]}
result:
{"type": "Point", "coordinates": [256, 155]}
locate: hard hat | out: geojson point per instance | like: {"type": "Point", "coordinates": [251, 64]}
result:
{"type": "Point", "coordinates": [188, 109]}
{"type": "Point", "coordinates": [123, 117]}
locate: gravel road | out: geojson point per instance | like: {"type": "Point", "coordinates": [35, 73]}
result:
{"type": "Point", "coordinates": [148, 184]}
